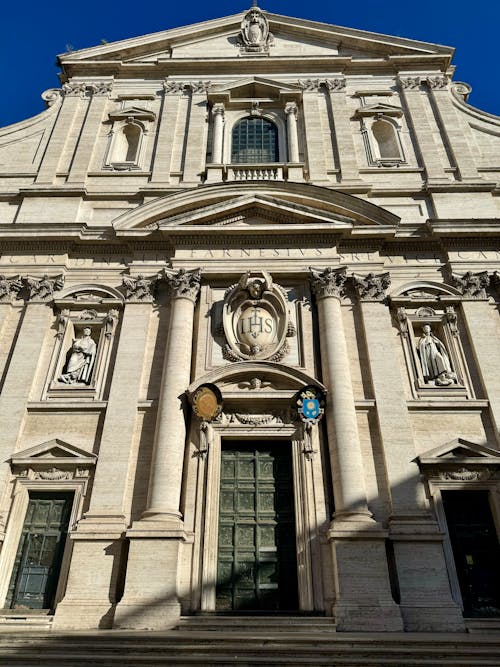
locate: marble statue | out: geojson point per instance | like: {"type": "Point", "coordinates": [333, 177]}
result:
{"type": "Point", "coordinates": [81, 360]}
{"type": "Point", "coordinates": [434, 359]}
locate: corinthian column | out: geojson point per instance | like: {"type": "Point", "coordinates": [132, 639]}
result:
{"type": "Point", "coordinates": [342, 426]}
{"type": "Point", "coordinates": [151, 598]}
{"type": "Point", "coordinates": [168, 451]}
{"type": "Point", "coordinates": [363, 600]}
{"type": "Point", "coordinates": [291, 128]}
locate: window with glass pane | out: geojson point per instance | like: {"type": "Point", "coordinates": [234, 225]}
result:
{"type": "Point", "coordinates": [254, 140]}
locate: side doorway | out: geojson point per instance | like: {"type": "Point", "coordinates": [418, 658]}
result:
{"type": "Point", "coordinates": [37, 565]}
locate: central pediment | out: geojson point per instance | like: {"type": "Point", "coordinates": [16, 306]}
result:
{"type": "Point", "coordinates": [268, 206]}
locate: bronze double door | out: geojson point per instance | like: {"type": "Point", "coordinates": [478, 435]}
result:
{"type": "Point", "coordinates": [257, 559]}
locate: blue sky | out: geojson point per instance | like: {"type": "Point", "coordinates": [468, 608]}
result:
{"type": "Point", "coordinates": [33, 33]}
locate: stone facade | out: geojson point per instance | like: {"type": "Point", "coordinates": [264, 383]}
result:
{"type": "Point", "coordinates": [147, 252]}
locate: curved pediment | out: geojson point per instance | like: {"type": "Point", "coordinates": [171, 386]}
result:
{"type": "Point", "coordinates": [216, 207]}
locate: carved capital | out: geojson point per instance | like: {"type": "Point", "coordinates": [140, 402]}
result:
{"type": "Point", "coordinates": [100, 88]}
{"type": "Point", "coordinates": [138, 288]}
{"type": "Point", "coordinates": [81, 88]}
{"type": "Point", "coordinates": [200, 86]}
{"type": "Point", "coordinates": [218, 109]}
{"type": "Point", "coordinates": [9, 288]}
{"type": "Point", "coordinates": [42, 289]}
{"type": "Point", "coordinates": [174, 87]}
{"type": "Point", "coordinates": [371, 287]}
{"type": "Point", "coordinates": [437, 82]}
{"type": "Point", "coordinates": [335, 85]}
{"type": "Point", "coordinates": [310, 84]}
{"type": "Point", "coordinates": [472, 285]}
{"type": "Point", "coordinates": [291, 109]}
{"type": "Point", "coordinates": [328, 282]}
{"type": "Point", "coordinates": [410, 82]}
{"type": "Point", "coordinates": [183, 284]}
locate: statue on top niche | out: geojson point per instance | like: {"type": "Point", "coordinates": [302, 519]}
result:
{"type": "Point", "coordinates": [81, 359]}
{"type": "Point", "coordinates": [254, 35]}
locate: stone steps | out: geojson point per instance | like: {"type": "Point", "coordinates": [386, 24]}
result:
{"type": "Point", "coordinates": [256, 624]}
{"type": "Point", "coordinates": [211, 649]}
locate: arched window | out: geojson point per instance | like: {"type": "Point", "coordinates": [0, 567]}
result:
{"type": "Point", "coordinates": [386, 140]}
{"type": "Point", "coordinates": [254, 140]}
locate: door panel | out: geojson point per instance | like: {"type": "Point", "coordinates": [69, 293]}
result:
{"type": "Point", "coordinates": [38, 560]}
{"type": "Point", "coordinates": [475, 549]}
{"type": "Point", "coordinates": [257, 564]}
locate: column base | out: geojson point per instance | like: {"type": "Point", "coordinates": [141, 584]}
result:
{"type": "Point", "coordinates": [151, 599]}
{"type": "Point", "coordinates": [90, 599]}
{"type": "Point", "coordinates": [364, 601]}
{"type": "Point", "coordinates": [426, 601]}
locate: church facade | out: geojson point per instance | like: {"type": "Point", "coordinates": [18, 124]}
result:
{"type": "Point", "coordinates": [250, 333]}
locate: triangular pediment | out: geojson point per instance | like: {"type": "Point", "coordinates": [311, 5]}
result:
{"type": "Point", "coordinates": [460, 451]}
{"type": "Point", "coordinates": [255, 88]}
{"type": "Point", "coordinates": [379, 109]}
{"type": "Point", "coordinates": [218, 39]}
{"type": "Point", "coordinates": [135, 112]}
{"type": "Point", "coordinates": [53, 452]}
{"type": "Point", "coordinates": [266, 205]}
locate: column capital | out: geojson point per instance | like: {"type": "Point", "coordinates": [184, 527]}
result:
{"type": "Point", "coordinates": [9, 288]}
{"type": "Point", "coordinates": [218, 109]}
{"type": "Point", "coordinates": [335, 85]}
{"type": "Point", "coordinates": [328, 282]}
{"type": "Point", "coordinates": [42, 289]}
{"type": "Point", "coordinates": [183, 284]}
{"type": "Point", "coordinates": [371, 287]}
{"type": "Point", "coordinates": [291, 108]}
{"type": "Point", "coordinates": [472, 285]}
{"type": "Point", "coordinates": [138, 289]}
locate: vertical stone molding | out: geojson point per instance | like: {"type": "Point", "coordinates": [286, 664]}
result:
{"type": "Point", "coordinates": [197, 131]}
{"type": "Point", "coordinates": [218, 119]}
{"type": "Point", "coordinates": [342, 131]}
{"type": "Point", "coordinates": [291, 128]}
{"type": "Point", "coordinates": [357, 541]}
{"type": "Point", "coordinates": [316, 161]}
{"type": "Point", "coordinates": [99, 95]}
{"type": "Point", "coordinates": [167, 128]}
{"type": "Point", "coordinates": [452, 128]}
{"type": "Point", "coordinates": [432, 153]}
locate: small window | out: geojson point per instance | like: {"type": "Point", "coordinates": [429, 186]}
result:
{"type": "Point", "coordinates": [254, 140]}
{"type": "Point", "coordinates": [387, 141]}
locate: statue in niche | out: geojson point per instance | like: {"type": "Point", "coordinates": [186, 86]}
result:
{"type": "Point", "coordinates": [81, 360]}
{"type": "Point", "coordinates": [434, 359]}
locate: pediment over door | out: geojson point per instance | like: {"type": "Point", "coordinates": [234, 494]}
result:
{"type": "Point", "coordinates": [460, 461]}
{"type": "Point", "coordinates": [54, 460]}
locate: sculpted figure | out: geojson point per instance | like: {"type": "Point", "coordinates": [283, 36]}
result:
{"type": "Point", "coordinates": [81, 360]}
{"type": "Point", "coordinates": [434, 359]}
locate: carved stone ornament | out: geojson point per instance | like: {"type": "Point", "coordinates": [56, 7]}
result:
{"type": "Point", "coordinates": [254, 34]}
{"type": "Point", "coordinates": [72, 88]}
{"type": "Point", "coordinates": [371, 287]}
{"type": "Point", "coordinates": [9, 287]}
{"type": "Point", "coordinates": [335, 85]}
{"type": "Point", "coordinates": [472, 285]}
{"type": "Point", "coordinates": [410, 82]}
{"type": "Point", "coordinates": [328, 282]}
{"type": "Point", "coordinates": [207, 402]}
{"type": "Point", "coordinates": [310, 84]}
{"type": "Point", "coordinates": [183, 284]}
{"type": "Point", "coordinates": [42, 289]}
{"type": "Point", "coordinates": [139, 288]}
{"type": "Point", "coordinates": [437, 82]}
{"type": "Point", "coordinates": [51, 96]}
{"type": "Point", "coordinates": [255, 319]}
{"type": "Point", "coordinates": [252, 419]}
{"type": "Point", "coordinates": [174, 87]}
{"type": "Point", "coordinates": [465, 475]}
